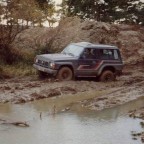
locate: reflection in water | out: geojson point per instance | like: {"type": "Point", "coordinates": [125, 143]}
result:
{"type": "Point", "coordinates": [5, 108]}
{"type": "Point", "coordinates": [111, 113]}
{"type": "Point", "coordinates": [78, 126]}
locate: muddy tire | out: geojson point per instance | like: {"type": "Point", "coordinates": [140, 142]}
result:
{"type": "Point", "coordinates": [65, 74]}
{"type": "Point", "coordinates": [107, 76]}
{"type": "Point", "coordinates": [42, 74]}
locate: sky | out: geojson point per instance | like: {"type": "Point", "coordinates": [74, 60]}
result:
{"type": "Point", "coordinates": [58, 1]}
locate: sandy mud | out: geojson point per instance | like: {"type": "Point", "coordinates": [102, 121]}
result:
{"type": "Point", "coordinates": [86, 93]}
{"type": "Point", "coordinates": [128, 87]}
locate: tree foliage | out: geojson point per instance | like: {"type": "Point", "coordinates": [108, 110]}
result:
{"type": "Point", "coordinates": [17, 15]}
{"type": "Point", "coordinates": [49, 10]}
{"type": "Point", "coordinates": [42, 3]}
{"type": "Point", "coordinates": [129, 11]}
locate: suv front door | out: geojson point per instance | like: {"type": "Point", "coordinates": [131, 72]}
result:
{"type": "Point", "coordinates": [88, 63]}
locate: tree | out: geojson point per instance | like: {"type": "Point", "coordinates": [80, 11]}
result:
{"type": "Point", "coordinates": [8, 29]}
{"type": "Point", "coordinates": [49, 10]}
{"type": "Point", "coordinates": [104, 10]}
{"type": "Point", "coordinates": [139, 13]}
{"type": "Point", "coordinates": [15, 16]}
{"type": "Point", "coordinates": [26, 11]}
{"type": "Point", "coordinates": [42, 3]}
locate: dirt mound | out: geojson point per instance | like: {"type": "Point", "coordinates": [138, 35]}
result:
{"type": "Point", "coordinates": [32, 38]}
{"type": "Point", "coordinates": [129, 38]}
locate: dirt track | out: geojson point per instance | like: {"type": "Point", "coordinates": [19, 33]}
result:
{"type": "Point", "coordinates": [128, 87]}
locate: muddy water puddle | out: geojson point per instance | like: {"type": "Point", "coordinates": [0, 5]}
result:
{"type": "Point", "coordinates": [77, 126]}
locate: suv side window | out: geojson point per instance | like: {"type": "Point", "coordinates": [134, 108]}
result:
{"type": "Point", "coordinates": [108, 54]}
{"type": "Point", "coordinates": [89, 53]}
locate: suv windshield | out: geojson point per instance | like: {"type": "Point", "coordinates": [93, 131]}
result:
{"type": "Point", "coordinates": [73, 50]}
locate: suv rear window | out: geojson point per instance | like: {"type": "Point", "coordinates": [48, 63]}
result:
{"type": "Point", "coordinates": [108, 54]}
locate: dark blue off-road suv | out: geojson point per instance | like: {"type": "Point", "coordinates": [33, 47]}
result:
{"type": "Point", "coordinates": [81, 59]}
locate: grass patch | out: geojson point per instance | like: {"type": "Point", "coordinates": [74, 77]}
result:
{"type": "Point", "coordinates": [19, 69]}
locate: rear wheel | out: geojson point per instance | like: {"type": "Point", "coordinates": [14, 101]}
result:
{"type": "Point", "coordinates": [107, 76]}
{"type": "Point", "coordinates": [65, 74]}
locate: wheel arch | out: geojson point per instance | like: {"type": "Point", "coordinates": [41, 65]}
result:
{"type": "Point", "coordinates": [111, 68]}
{"type": "Point", "coordinates": [67, 65]}
{"type": "Point", "coordinates": [65, 69]}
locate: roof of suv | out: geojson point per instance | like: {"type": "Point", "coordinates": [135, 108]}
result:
{"type": "Point", "coordinates": [90, 45]}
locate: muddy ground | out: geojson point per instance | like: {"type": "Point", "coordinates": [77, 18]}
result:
{"type": "Point", "coordinates": [138, 113]}
{"type": "Point", "coordinates": [87, 93]}
{"type": "Point", "coordinates": [128, 87]}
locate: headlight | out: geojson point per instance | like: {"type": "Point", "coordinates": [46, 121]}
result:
{"type": "Point", "coordinates": [52, 65]}
{"type": "Point", "coordinates": [35, 60]}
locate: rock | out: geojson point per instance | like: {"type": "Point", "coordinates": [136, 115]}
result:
{"type": "Point", "coordinates": [37, 96]}
{"type": "Point", "coordinates": [134, 138]}
{"type": "Point", "coordinates": [53, 93]}
{"type": "Point", "coordinates": [142, 124]}
{"type": "Point", "coordinates": [65, 109]}
{"type": "Point", "coordinates": [87, 27]}
{"type": "Point", "coordinates": [20, 100]}
{"type": "Point", "coordinates": [7, 88]}
{"type": "Point", "coordinates": [101, 98]}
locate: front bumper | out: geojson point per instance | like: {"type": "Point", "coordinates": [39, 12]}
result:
{"type": "Point", "coordinates": [43, 69]}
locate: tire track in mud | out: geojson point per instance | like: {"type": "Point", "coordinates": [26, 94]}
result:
{"type": "Point", "coordinates": [116, 97]}
{"type": "Point", "coordinates": [22, 90]}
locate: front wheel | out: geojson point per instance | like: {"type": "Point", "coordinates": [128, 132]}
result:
{"type": "Point", "coordinates": [65, 74]}
{"type": "Point", "coordinates": [107, 76]}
